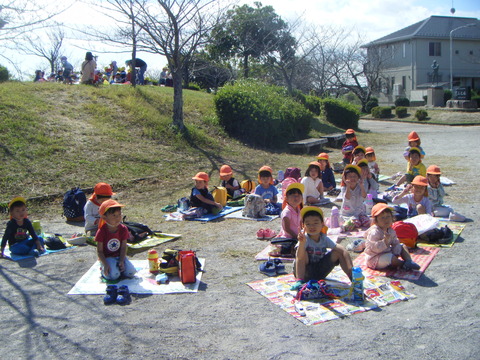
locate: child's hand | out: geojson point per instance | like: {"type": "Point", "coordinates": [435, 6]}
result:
{"type": "Point", "coordinates": [301, 236]}
{"type": "Point", "coordinates": [40, 248]}
{"type": "Point", "coordinates": [218, 205]}
{"type": "Point", "coordinates": [106, 269]}
{"type": "Point", "coordinates": [408, 188]}
{"type": "Point", "coordinates": [121, 266]}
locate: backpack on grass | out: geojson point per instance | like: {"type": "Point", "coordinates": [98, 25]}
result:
{"type": "Point", "coordinates": [74, 201]}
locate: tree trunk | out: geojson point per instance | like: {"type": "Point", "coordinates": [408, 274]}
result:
{"type": "Point", "coordinates": [246, 69]}
{"type": "Point", "coordinates": [178, 100]}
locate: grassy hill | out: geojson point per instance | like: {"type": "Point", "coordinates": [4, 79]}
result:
{"type": "Point", "coordinates": [54, 137]}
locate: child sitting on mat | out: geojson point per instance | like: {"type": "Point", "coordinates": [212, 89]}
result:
{"type": "Point", "coordinates": [21, 237]}
{"type": "Point", "coordinates": [369, 182]}
{"type": "Point", "coordinates": [266, 189]}
{"type": "Point", "coordinates": [291, 211]}
{"type": "Point", "coordinates": [372, 162]}
{"type": "Point", "coordinates": [413, 141]}
{"type": "Point", "coordinates": [415, 195]}
{"type": "Point", "coordinates": [312, 181]}
{"type": "Point", "coordinates": [358, 154]}
{"type": "Point", "coordinates": [382, 246]}
{"type": "Point", "coordinates": [326, 172]}
{"type": "Point", "coordinates": [101, 192]}
{"type": "Point", "coordinates": [415, 166]}
{"type": "Point", "coordinates": [111, 240]}
{"type": "Point", "coordinates": [200, 197]}
{"type": "Point", "coordinates": [229, 182]}
{"type": "Point", "coordinates": [317, 254]}
{"type": "Point", "coordinates": [353, 196]}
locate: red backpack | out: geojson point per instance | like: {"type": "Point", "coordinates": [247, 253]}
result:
{"type": "Point", "coordinates": [407, 233]}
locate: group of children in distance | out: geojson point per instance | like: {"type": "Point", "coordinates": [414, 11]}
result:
{"type": "Point", "coordinates": [316, 254]}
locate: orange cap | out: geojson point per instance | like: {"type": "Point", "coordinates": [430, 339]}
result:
{"type": "Point", "coordinates": [316, 163]}
{"type": "Point", "coordinates": [201, 176]}
{"type": "Point", "coordinates": [350, 131]}
{"type": "Point", "coordinates": [369, 150]}
{"type": "Point", "coordinates": [266, 168]}
{"type": "Point", "coordinates": [413, 136]}
{"type": "Point", "coordinates": [103, 189]}
{"type": "Point", "coordinates": [377, 209]}
{"type": "Point", "coordinates": [225, 170]}
{"type": "Point", "coordinates": [110, 203]}
{"type": "Point", "coordinates": [434, 170]}
{"type": "Point", "coordinates": [420, 180]}
{"type": "Point", "coordinates": [322, 156]}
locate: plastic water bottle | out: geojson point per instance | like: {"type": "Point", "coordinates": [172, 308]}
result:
{"type": "Point", "coordinates": [37, 227]}
{"type": "Point", "coordinates": [369, 204]}
{"type": "Point", "coordinates": [153, 261]}
{"type": "Point", "coordinates": [357, 283]}
{"type": "Point", "coordinates": [334, 218]}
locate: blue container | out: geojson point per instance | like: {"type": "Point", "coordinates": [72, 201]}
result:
{"type": "Point", "coordinates": [357, 283]}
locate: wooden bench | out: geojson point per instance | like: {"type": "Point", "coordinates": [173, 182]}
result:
{"type": "Point", "coordinates": [307, 144]}
{"type": "Point", "coordinates": [335, 140]}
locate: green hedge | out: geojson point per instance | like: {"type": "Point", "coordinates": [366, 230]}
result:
{"type": "Point", "coordinates": [421, 114]}
{"type": "Point", "coordinates": [402, 101]}
{"type": "Point", "coordinates": [381, 112]}
{"type": "Point", "coordinates": [4, 75]}
{"type": "Point", "coordinates": [401, 111]}
{"type": "Point", "coordinates": [370, 105]}
{"type": "Point", "coordinates": [313, 103]}
{"type": "Point", "coordinates": [260, 114]}
{"type": "Point", "coordinates": [341, 114]}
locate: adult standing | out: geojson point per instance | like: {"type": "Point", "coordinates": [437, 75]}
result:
{"type": "Point", "coordinates": [88, 69]}
{"type": "Point", "coordinates": [142, 67]}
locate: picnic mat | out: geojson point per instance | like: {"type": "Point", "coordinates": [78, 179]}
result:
{"type": "Point", "coordinates": [151, 241]}
{"type": "Point", "coordinates": [143, 282]}
{"type": "Point", "coordinates": [423, 256]}
{"type": "Point", "coordinates": [238, 215]}
{"type": "Point", "coordinates": [14, 257]}
{"type": "Point", "coordinates": [377, 293]}
{"type": "Point", "coordinates": [178, 216]}
{"type": "Point", "coordinates": [456, 228]}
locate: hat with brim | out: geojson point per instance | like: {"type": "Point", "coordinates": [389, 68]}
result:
{"type": "Point", "coordinates": [201, 176]}
{"type": "Point", "coordinates": [363, 162]}
{"type": "Point", "coordinates": [307, 209]}
{"type": "Point", "coordinates": [359, 147]}
{"type": "Point", "coordinates": [266, 168]}
{"type": "Point", "coordinates": [103, 189]}
{"type": "Point", "coordinates": [314, 163]}
{"type": "Point", "coordinates": [413, 136]}
{"type": "Point", "coordinates": [322, 156]}
{"type": "Point", "coordinates": [17, 199]}
{"type": "Point", "coordinates": [349, 132]}
{"type": "Point", "coordinates": [225, 170]}
{"type": "Point", "coordinates": [415, 149]}
{"type": "Point", "coordinates": [434, 170]}
{"type": "Point", "coordinates": [354, 168]}
{"type": "Point", "coordinates": [369, 150]}
{"type": "Point", "coordinates": [110, 203]}
{"type": "Point", "coordinates": [420, 181]}
{"type": "Point", "coordinates": [377, 209]}
{"type": "Point", "coordinates": [296, 185]}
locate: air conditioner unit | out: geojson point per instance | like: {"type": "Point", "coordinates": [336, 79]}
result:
{"type": "Point", "coordinates": [397, 90]}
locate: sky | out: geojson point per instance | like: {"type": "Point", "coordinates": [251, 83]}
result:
{"type": "Point", "coordinates": [371, 18]}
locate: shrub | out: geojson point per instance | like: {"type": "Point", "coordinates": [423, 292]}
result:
{"type": "Point", "coordinates": [313, 104]}
{"type": "Point", "coordinates": [4, 75]}
{"type": "Point", "coordinates": [193, 86]}
{"type": "Point", "coordinates": [401, 111]}
{"type": "Point", "coordinates": [477, 99]}
{"type": "Point", "coordinates": [259, 114]}
{"type": "Point", "coordinates": [421, 114]}
{"type": "Point", "coordinates": [447, 95]}
{"type": "Point", "coordinates": [401, 101]}
{"type": "Point", "coordinates": [341, 114]}
{"type": "Point", "coordinates": [370, 105]}
{"type": "Point", "coordinates": [381, 112]}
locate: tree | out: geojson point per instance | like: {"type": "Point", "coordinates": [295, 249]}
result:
{"type": "Point", "coordinates": [208, 73]}
{"type": "Point", "coordinates": [248, 33]}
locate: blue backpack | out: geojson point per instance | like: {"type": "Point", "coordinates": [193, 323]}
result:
{"type": "Point", "coordinates": [74, 201]}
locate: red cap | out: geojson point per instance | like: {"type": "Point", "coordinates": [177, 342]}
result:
{"type": "Point", "coordinates": [322, 156]}
{"type": "Point", "coordinates": [350, 131]}
{"type": "Point", "coordinates": [420, 180]}
{"type": "Point", "coordinates": [225, 170]}
{"type": "Point", "coordinates": [103, 189]}
{"type": "Point", "coordinates": [201, 176]}
{"type": "Point", "coordinates": [413, 136]}
{"type": "Point", "coordinates": [377, 209]}
{"type": "Point", "coordinates": [110, 203]}
{"type": "Point", "coordinates": [434, 170]}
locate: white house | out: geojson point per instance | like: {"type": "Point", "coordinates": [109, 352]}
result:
{"type": "Point", "coordinates": [405, 58]}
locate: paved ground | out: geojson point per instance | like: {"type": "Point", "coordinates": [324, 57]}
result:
{"type": "Point", "coordinates": [227, 320]}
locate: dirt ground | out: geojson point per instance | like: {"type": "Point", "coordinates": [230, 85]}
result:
{"type": "Point", "coordinates": [228, 320]}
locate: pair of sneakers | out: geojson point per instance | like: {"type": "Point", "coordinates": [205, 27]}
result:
{"type": "Point", "coordinates": [266, 234]}
{"type": "Point", "coordinates": [272, 267]}
{"type": "Point", "coordinates": [119, 295]}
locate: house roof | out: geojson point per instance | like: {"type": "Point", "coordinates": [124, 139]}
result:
{"type": "Point", "coordinates": [434, 27]}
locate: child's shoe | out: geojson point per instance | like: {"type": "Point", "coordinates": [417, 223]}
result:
{"type": "Point", "coordinates": [269, 234]}
{"type": "Point", "coordinates": [123, 297]}
{"type": "Point", "coordinates": [35, 253]}
{"type": "Point", "coordinates": [268, 268]}
{"type": "Point", "coordinates": [456, 217]}
{"type": "Point", "coordinates": [111, 295]}
{"type": "Point", "coordinates": [410, 265]}
{"type": "Point", "coordinates": [279, 267]}
{"type": "Point", "coordinates": [260, 234]}
{"type": "Point", "coordinates": [357, 245]}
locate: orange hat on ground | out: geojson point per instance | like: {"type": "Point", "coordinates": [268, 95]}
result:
{"type": "Point", "coordinates": [420, 180]}
{"type": "Point", "coordinates": [103, 189]}
{"type": "Point", "coordinates": [413, 136]}
{"type": "Point", "coordinates": [377, 209]}
{"type": "Point", "coordinates": [110, 203]}
{"type": "Point", "coordinates": [201, 176]}
{"type": "Point", "coordinates": [434, 170]}
{"type": "Point", "coordinates": [350, 131]}
{"type": "Point", "coordinates": [322, 156]}
{"type": "Point", "coordinates": [369, 150]}
{"type": "Point", "coordinates": [225, 170]}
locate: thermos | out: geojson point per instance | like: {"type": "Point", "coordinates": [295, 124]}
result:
{"type": "Point", "coordinates": [334, 218]}
{"type": "Point", "coordinates": [153, 261]}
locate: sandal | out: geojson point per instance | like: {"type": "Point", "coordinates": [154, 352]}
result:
{"type": "Point", "coordinates": [267, 268]}
{"type": "Point", "coordinates": [260, 234]}
{"type": "Point", "coordinates": [279, 267]}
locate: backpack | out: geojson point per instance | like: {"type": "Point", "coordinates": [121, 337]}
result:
{"type": "Point", "coordinates": [187, 267]}
{"type": "Point", "coordinates": [293, 172]}
{"type": "Point", "coordinates": [254, 206]}
{"type": "Point", "coordinates": [407, 233]}
{"type": "Point", "coordinates": [219, 194]}
{"type": "Point", "coordinates": [54, 243]}
{"type": "Point", "coordinates": [138, 230]}
{"type": "Point", "coordinates": [439, 236]}
{"type": "Point", "coordinates": [248, 186]}
{"type": "Point", "coordinates": [183, 203]}
{"type": "Point", "coordinates": [74, 201]}
{"type": "Point", "coordinates": [314, 290]}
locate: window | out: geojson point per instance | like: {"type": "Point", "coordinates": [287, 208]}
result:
{"type": "Point", "coordinates": [404, 82]}
{"type": "Point", "coordinates": [404, 50]}
{"type": "Point", "coordinates": [435, 49]}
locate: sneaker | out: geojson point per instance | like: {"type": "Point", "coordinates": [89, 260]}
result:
{"type": "Point", "coordinates": [35, 253]}
{"type": "Point", "coordinates": [123, 295]}
{"type": "Point", "coordinates": [268, 268]}
{"type": "Point", "coordinates": [279, 267]}
{"type": "Point", "coordinates": [456, 217]}
{"type": "Point", "coordinates": [357, 245]}
{"type": "Point", "coordinates": [260, 234]}
{"type": "Point", "coordinates": [111, 295]}
{"type": "Point", "coordinates": [410, 265]}
{"type": "Point", "coordinates": [269, 234]}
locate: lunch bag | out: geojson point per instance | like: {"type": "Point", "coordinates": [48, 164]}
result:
{"type": "Point", "coordinates": [407, 233]}
{"type": "Point", "coordinates": [74, 201]}
{"type": "Point", "coordinates": [219, 194]}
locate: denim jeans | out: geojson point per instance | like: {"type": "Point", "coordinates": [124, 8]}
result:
{"type": "Point", "coordinates": [115, 273]}
{"type": "Point", "coordinates": [26, 247]}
